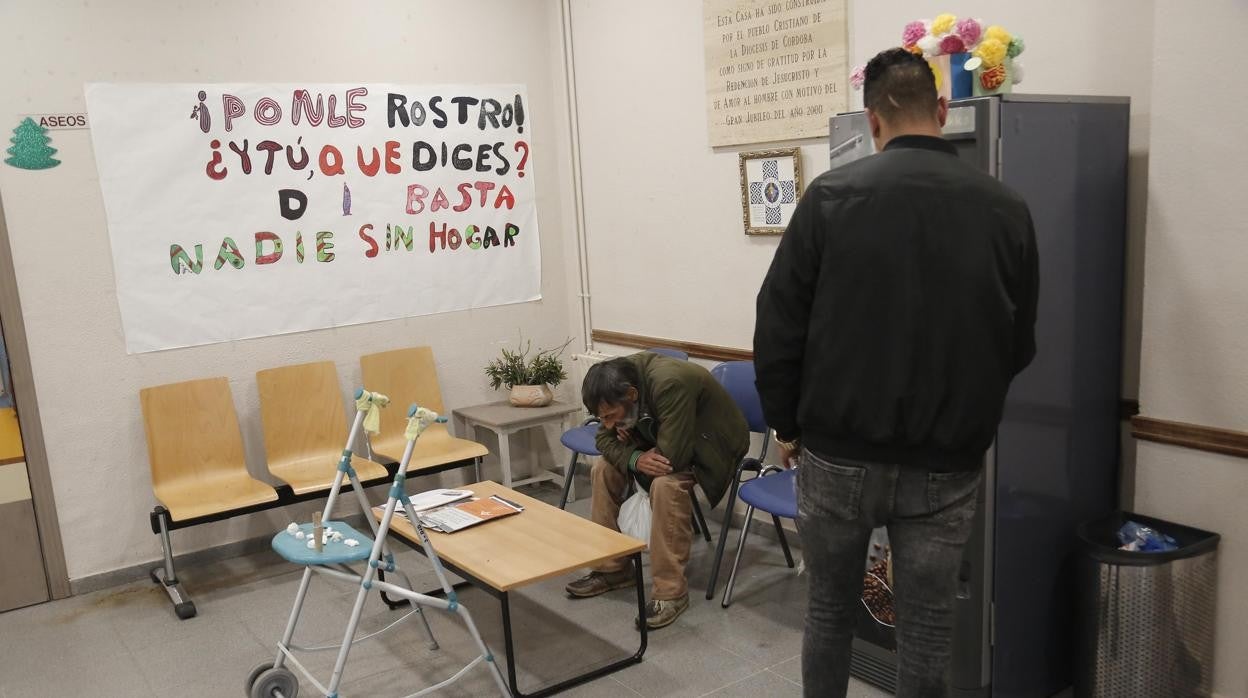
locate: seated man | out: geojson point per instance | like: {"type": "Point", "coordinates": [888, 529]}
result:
{"type": "Point", "coordinates": [668, 424]}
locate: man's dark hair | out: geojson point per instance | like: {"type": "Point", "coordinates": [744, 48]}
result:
{"type": "Point", "coordinates": [899, 84]}
{"type": "Point", "coordinates": [608, 382]}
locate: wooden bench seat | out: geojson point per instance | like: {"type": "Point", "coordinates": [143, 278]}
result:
{"type": "Point", "coordinates": [316, 473]}
{"type": "Point", "coordinates": [195, 450]}
{"type": "Point", "coordinates": [410, 376]}
{"type": "Point", "coordinates": [305, 424]}
{"type": "Point", "coordinates": [199, 473]}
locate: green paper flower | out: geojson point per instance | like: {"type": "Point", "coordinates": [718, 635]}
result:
{"type": "Point", "coordinates": [1016, 47]}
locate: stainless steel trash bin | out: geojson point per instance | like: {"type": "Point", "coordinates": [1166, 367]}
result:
{"type": "Point", "coordinates": [1146, 620]}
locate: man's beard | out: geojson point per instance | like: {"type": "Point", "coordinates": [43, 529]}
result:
{"type": "Point", "coordinates": [630, 420]}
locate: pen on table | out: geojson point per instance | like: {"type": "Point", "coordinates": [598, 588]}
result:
{"type": "Point", "coordinates": [506, 502]}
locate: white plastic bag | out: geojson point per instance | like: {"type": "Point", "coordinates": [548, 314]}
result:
{"type": "Point", "coordinates": [635, 516]}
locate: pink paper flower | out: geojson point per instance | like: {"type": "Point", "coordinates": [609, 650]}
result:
{"type": "Point", "coordinates": [952, 44]}
{"type": "Point", "coordinates": [970, 31]}
{"type": "Point", "coordinates": [912, 33]}
{"type": "Point", "coordinates": [858, 78]}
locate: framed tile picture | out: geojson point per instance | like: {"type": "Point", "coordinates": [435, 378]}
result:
{"type": "Point", "coordinates": [771, 182]}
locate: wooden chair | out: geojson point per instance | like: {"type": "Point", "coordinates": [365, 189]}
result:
{"type": "Point", "coordinates": [304, 424]}
{"type": "Point", "coordinates": [195, 451]}
{"type": "Point", "coordinates": [407, 376]}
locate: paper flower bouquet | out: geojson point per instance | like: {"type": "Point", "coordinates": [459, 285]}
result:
{"type": "Point", "coordinates": [966, 58]}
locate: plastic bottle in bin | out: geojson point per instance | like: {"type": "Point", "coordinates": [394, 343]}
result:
{"type": "Point", "coordinates": [1135, 537]}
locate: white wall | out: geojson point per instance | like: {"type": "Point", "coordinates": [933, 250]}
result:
{"type": "Point", "coordinates": [88, 386]}
{"type": "Point", "coordinates": [1195, 344]}
{"type": "Point", "coordinates": [668, 255]}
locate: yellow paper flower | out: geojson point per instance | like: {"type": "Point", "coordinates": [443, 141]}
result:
{"type": "Point", "coordinates": [991, 52]}
{"type": "Point", "coordinates": [999, 33]}
{"type": "Point", "coordinates": [943, 24]}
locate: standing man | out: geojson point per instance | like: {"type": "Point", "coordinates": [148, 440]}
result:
{"type": "Point", "coordinates": [899, 306]}
{"type": "Point", "coordinates": [668, 424]}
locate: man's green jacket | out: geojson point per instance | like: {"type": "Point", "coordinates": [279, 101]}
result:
{"type": "Point", "coordinates": [689, 416]}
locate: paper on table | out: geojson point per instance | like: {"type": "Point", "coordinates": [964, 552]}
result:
{"type": "Point", "coordinates": [433, 499]}
{"type": "Point", "coordinates": [456, 517]}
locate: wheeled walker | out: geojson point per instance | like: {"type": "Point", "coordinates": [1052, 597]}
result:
{"type": "Point", "coordinates": [334, 557]}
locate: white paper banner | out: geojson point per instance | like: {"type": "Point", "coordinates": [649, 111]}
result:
{"type": "Point", "coordinates": [243, 210]}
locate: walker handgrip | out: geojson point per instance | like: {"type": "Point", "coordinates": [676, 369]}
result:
{"type": "Point", "coordinates": [411, 412]}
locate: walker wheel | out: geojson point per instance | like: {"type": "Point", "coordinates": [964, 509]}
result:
{"type": "Point", "coordinates": [278, 682]}
{"type": "Point", "coordinates": [255, 674]}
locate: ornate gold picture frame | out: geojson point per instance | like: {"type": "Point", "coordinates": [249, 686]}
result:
{"type": "Point", "coordinates": [771, 184]}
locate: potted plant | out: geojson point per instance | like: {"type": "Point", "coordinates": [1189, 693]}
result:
{"type": "Point", "coordinates": [529, 380]}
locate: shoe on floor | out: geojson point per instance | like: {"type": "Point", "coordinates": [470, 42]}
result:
{"type": "Point", "coordinates": [596, 583]}
{"type": "Point", "coordinates": [660, 614]}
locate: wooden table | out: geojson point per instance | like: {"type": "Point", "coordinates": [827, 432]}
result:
{"type": "Point", "coordinates": [537, 544]}
{"type": "Point", "coordinates": [505, 419]}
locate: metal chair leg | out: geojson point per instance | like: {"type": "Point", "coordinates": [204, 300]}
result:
{"type": "Point", "coordinates": [567, 479]}
{"type": "Point", "coordinates": [699, 521]}
{"type": "Point", "coordinates": [784, 542]}
{"type": "Point", "coordinates": [729, 504]}
{"type": "Point", "coordinates": [166, 576]}
{"type": "Point", "coordinates": [736, 563]}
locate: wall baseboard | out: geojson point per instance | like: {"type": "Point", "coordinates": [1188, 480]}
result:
{"type": "Point", "coordinates": [1195, 436]}
{"type": "Point", "coordinates": [207, 556]}
{"type": "Point", "coordinates": [693, 349]}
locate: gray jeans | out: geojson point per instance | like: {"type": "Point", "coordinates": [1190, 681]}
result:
{"type": "Point", "coordinates": [928, 516]}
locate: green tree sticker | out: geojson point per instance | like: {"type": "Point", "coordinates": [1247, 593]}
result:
{"type": "Point", "coordinates": [30, 149]}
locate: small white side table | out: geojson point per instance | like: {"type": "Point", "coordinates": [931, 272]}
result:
{"type": "Point", "coordinates": [504, 419]}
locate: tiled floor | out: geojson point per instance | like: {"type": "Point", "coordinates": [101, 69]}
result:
{"type": "Point", "coordinates": [126, 641]}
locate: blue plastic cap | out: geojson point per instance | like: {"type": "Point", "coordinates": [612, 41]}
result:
{"type": "Point", "coordinates": [411, 411]}
{"type": "Point", "coordinates": [358, 393]}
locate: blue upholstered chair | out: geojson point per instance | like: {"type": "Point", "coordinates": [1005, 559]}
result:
{"type": "Point", "coordinates": [673, 353]}
{"type": "Point", "coordinates": [580, 441]}
{"type": "Point", "coordinates": [772, 489]}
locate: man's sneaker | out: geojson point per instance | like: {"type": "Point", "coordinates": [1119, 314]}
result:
{"type": "Point", "coordinates": [596, 583]}
{"type": "Point", "coordinates": [660, 614]}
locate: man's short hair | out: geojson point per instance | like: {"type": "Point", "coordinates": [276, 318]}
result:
{"type": "Point", "coordinates": [608, 382]}
{"type": "Point", "coordinates": [899, 85]}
